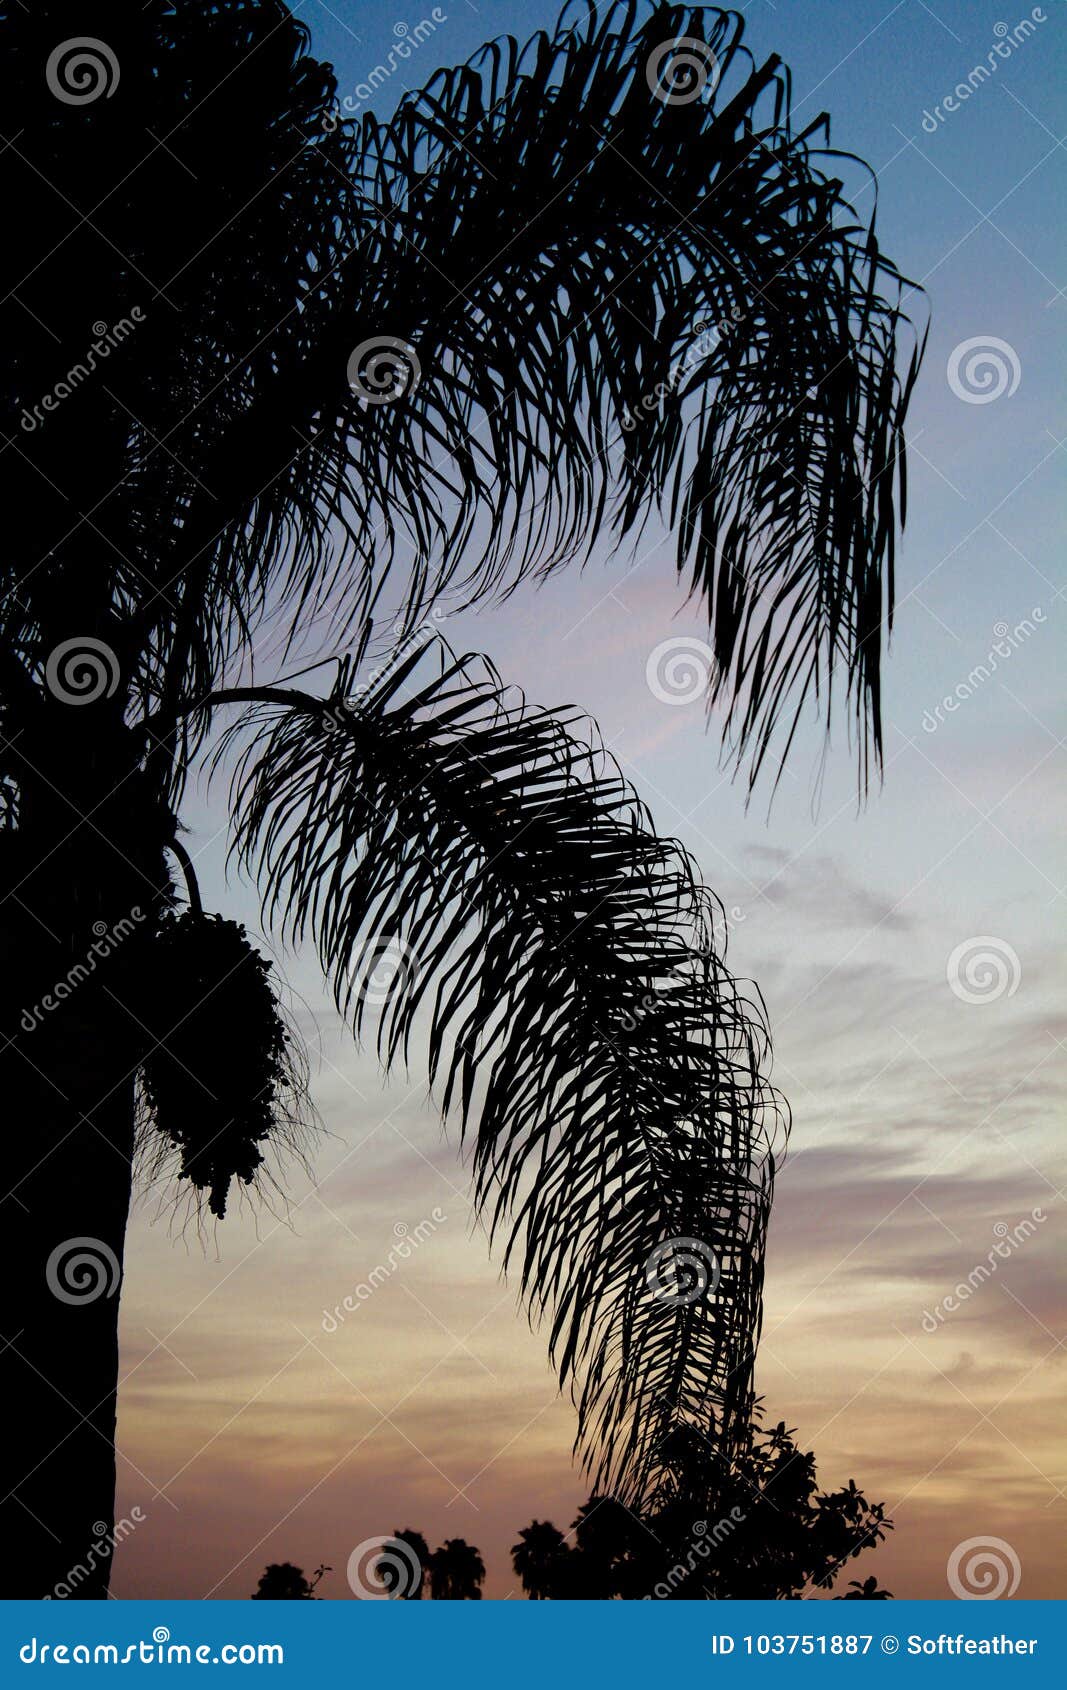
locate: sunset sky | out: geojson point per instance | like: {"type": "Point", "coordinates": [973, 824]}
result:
{"type": "Point", "coordinates": [924, 1124]}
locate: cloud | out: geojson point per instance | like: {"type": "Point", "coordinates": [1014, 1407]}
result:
{"type": "Point", "coordinates": [818, 889]}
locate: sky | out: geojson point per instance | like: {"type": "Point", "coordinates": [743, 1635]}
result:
{"type": "Point", "coordinates": [906, 950]}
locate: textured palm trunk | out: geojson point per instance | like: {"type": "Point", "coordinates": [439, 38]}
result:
{"type": "Point", "coordinates": [80, 880]}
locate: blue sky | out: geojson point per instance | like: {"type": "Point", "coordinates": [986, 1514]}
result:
{"type": "Point", "coordinates": [923, 1119]}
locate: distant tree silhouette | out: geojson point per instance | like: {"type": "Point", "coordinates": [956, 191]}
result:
{"type": "Point", "coordinates": [457, 1572]}
{"type": "Point", "coordinates": [389, 1568]}
{"type": "Point", "coordinates": [537, 1558]}
{"type": "Point", "coordinates": [754, 1527]}
{"type": "Point", "coordinates": [606, 1559]}
{"type": "Point", "coordinates": [284, 379]}
{"type": "Point", "coordinates": [282, 1582]}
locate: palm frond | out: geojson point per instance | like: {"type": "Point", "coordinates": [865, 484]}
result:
{"type": "Point", "coordinates": [572, 303]}
{"type": "Point", "coordinates": [581, 1021]}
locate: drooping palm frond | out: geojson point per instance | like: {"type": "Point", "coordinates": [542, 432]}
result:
{"type": "Point", "coordinates": [574, 299]}
{"type": "Point", "coordinates": [456, 853]}
{"type": "Point", "coordinates": [657, 300]}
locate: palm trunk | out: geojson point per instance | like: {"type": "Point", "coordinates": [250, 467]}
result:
{"type": "Point", "coordinates": [63, 1235]}
{"type": "Point", "coordinates": [80, 881]}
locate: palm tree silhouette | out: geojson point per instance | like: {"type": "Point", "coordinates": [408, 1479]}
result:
{"type": "Point", "coordinates": [313, 374]}
{"type": "Point", "coordinates": [536, 1558]}
{"type": "Point", "coordinates": [457, 1572]}
{"type": "Point", "coordinates": [404, 1574]}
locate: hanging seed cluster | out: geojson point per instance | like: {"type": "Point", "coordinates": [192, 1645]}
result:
{"type": "Point", "coordinates": [214, 1081]}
